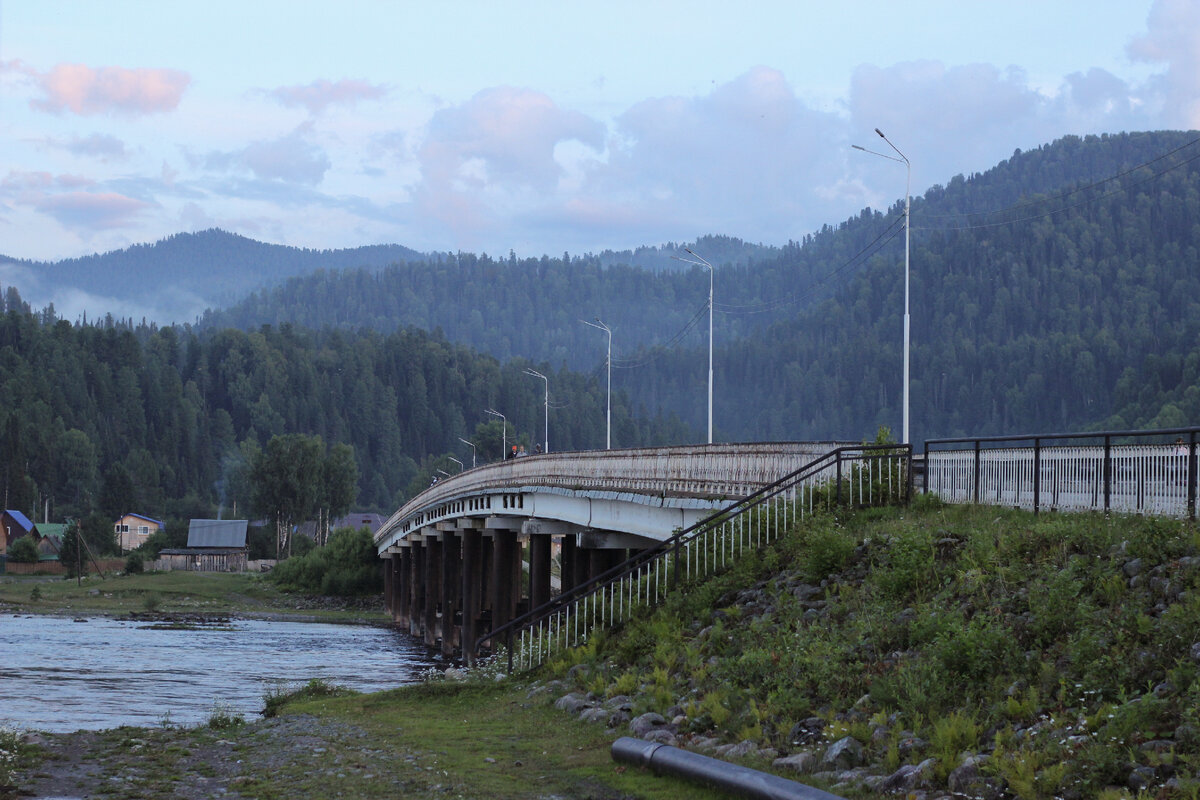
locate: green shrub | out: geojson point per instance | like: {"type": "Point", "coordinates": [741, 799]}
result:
{"type": "Point", "coordinates": [134, 563]}
{"type": "Point", "coordinates": [23, 551]}
{"type": "Point", "coordinates": [345, 567]}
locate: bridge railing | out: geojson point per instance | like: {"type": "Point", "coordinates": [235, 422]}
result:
{"type": "Point", "coordinates": [858, 475]}
{"type": "Point", "coordinates": [1135, 472]}
{"type": "Point", "coordinates": [705, 471]}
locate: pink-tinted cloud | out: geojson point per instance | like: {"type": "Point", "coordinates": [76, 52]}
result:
{"type": "Point", "coordinates": [95, 211]}
{"type": "Point", "coordinates": [85, 90]}
{"type": "Point", "coordinates": [319, 95]}
{"type": "Point", "coordinates": [1173, 38]}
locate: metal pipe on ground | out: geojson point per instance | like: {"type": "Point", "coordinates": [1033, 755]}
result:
{"type": "Point", "coordinates": [738, 780]}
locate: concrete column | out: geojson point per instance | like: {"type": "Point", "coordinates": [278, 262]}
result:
{"type": "Point", "coordinates": [386, 566]}
{"type": "Point", "coordinates": [433, 590]}
{"type": "Point", "coordinates": [539, 570]}
{"type": "Point", "coordinates": [403, 614]}
{"type": "Point", "coordinates": [451, 592]}
{"type": "Point", "coordinates": [504, 588]}
{"type": "Point", "coordinates": [416, 611]}
{"type": "Point", "coordinates": [568, 575]}
{"type": "Point", "coordinates": [472, 590]}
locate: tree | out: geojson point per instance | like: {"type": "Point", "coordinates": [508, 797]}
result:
{"type": "Point", "coordinates": [339, 485]}
{"type": "Point", "coordinates": [23, 551]}
{"type": "Point", "coordinates": [117, 494]}
{"type": "Point", "coordinates": [286, 483]}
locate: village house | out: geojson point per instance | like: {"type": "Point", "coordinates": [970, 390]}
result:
{"type": "Point", "coordinates": [133, 530]}
{"type": "Point", "coordinates": [213, 545]}
{"type": "Point", "coordinates": [14, 525]}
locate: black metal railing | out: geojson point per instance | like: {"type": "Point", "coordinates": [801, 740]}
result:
{"type": "Point", "coordinates": [857, 475]}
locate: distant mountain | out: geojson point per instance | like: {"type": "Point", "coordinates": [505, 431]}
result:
{"type": "Point", "coordinates": [177, 278]}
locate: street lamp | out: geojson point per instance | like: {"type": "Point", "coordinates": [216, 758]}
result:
{"type": "Point", "coordinates": [472, 444]}
{"type": "Point", "coordinates": [907, 230]}
{"type": "Point", "coordinates": [456, 461]}
{"type": "Point", "coordinates": [546, 432]}
{"type": "Point", "coordinates": [608, 423]}
{"type": "Point", "coordinates": [503, 432]}
{"type": "Point", "coordinates": [703, 263]}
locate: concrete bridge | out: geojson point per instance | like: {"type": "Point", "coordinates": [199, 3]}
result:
{"type": "Point", "coordinates": [478, 549]}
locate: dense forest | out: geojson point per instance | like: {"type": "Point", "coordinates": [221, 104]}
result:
{"type": "Point", "coordinates": [1060, 290]}
{"type": "Point", "coordinates": [1054, 291]}
{"type": "Point", "coordinates": [174, 413]}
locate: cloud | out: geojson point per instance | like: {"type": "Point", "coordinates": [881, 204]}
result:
{"type": "Point", "coordinates": [1173, 38]}
{"type": "Point", "coordinates": [97, 145]}
{"type": "Point", "coordinates": [741, 159]}
{"type": "Point", "coordinates": [289, 159]}
{"type": "Point", "coordinates": [496, 151]}
{"type": "Point", "coordinates": [72, 200]}
{"type": "Point", "coordinates": [319, 95]}
{"type": "Point", "coordinates": [95, 211]}
{"type": "Point", "coordinates": [105, 90]}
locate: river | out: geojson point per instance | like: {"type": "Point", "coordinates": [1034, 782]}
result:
{"type": "Point", "coordinates": [59, 674]}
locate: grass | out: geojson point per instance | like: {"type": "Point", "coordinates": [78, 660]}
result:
{"type": "Point", "coordinates": [226, 594]}
{"type": "Point", "coordinates": [475, 739]}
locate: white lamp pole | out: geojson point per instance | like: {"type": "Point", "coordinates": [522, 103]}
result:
{"type": "Point", "coordinates": [608, 360]}
{"type": "Point", "coordinates": [503, 432]}
{"type": "Point", "coordinates": [472, 444]}
{"type": "Point", "coordinates": [546, 432]}
{"type": "Point", "coordinates": [704, 263]}
{"type": "Point", "coordinates": [456, 461]}
{"type": "Point", "coordinates": [907, 232]}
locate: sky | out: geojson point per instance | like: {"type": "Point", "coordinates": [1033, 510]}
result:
{"type": "Point", "coordinates": [543, 127]}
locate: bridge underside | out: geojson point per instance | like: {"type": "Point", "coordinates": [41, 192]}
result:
{"type": "Point", "coordinates": [474, 563]}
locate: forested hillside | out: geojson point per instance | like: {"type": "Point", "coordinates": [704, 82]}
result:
{"type": "Point", "coordinates": [91, 407]}
{"type": "Point", "coordinates": [1053, 291]}
{"type": "Point", "coordinates": [184, 273]}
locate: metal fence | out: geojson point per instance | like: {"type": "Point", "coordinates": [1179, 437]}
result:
{"type": "Point", "coordinates": [860, 475]}
{"type": "Point", "coordinates": [1135, 472]}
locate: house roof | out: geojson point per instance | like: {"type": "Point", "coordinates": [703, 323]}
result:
{"type": "Point", "coordinates": [217, 533]}
{"type": "Point", "coordinates": [20, 519]}
{"type": "Point", "coordinates": [360, 520]}
{"type": "Point", "coordinates": [143, 516]}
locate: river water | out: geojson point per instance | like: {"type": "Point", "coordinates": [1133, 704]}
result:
{"type": "Point", "coordinates": [59, 674]}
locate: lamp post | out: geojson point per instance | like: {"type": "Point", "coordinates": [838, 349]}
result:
{"type": "Point", "coordinates": [907, 231]}
{"type": "Point", "coordinates": [546, 432]}
{"type": "Point", "coordinates": [456, 461]}
{"type": "Point", "coordinates": [503, 432]}
{"type": "Point", "coordinates": [472, 444]}
{"type": "Point", "coordinates": [703, 263]}
{"type": "Point", "coordinates": [608, 360]}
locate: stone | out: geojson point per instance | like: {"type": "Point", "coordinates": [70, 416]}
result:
{"type": "Point", "coordinates": [572, 703]}
{"type": "Point", "coordinates": [1133, 567]}
{"type": "Point", "coordinates": [797, 762]}
{"type": "Point", "coordinates": [595, 715]}
{"type": "Point", "coordinates": [963, 778]}
{"type": "Point", "coordinates": [739, 750]}
{"type": "Point", "coordinates": [1140, 778]}
{"type": "Point", "coordinates": [661, 736]}
{"type": "Point", "coordinates": [846, 753]}
{"type": "Point", "coordinates": [640, 726]}
{"type": "Point", "coordinates": [807, 731]}
{"type": "Point", "coordinates": [908, 777]}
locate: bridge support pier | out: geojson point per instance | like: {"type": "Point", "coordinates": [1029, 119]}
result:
{"type": "Point", "coordinates": [472, 590]}
{"type": "Point", "coordinates": [451, 591]}
{"type": "Point", "coordinates": [416, 593]}
{"type": "Point", "coordinates": [433, 589]}
{"type": "Point", "coordinates": [401, 583]}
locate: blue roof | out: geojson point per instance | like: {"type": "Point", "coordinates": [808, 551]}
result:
{"type": "Point", "coordinates": [143, 516]}
{"type": "Point", "coordinates": [20, 519]}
